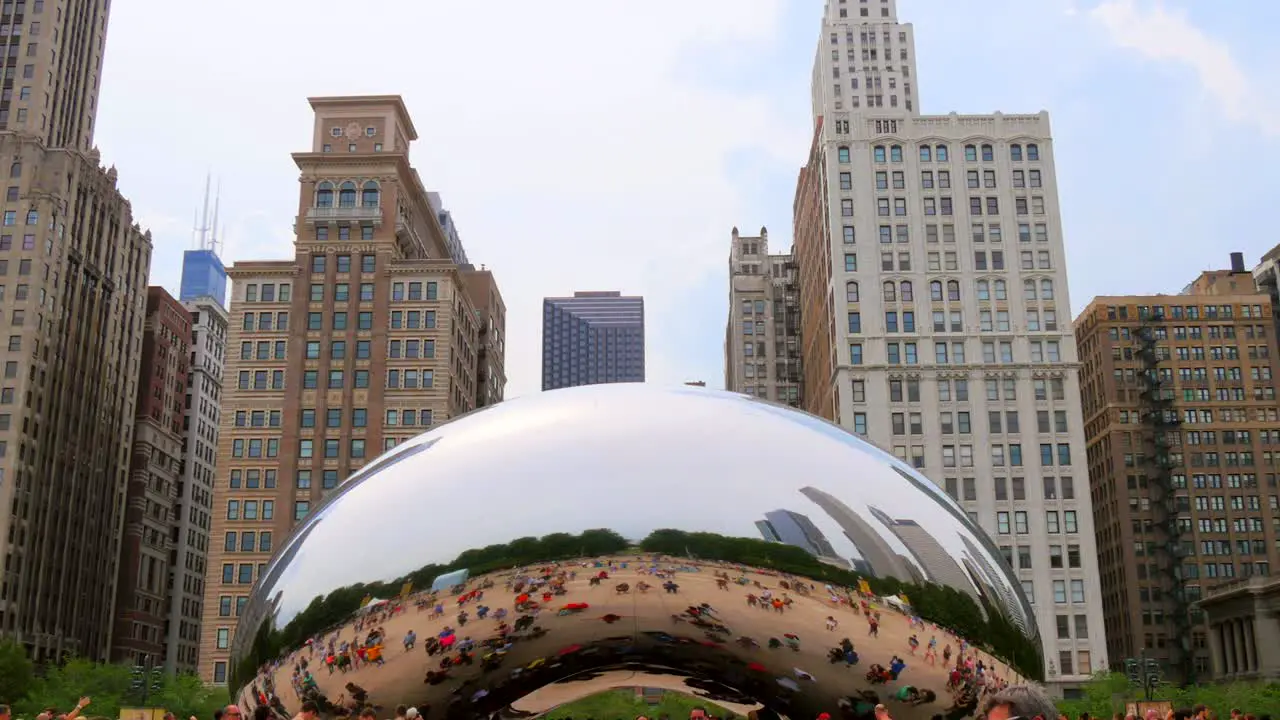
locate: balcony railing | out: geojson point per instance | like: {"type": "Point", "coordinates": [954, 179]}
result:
{"type": "Point", "coordinates": [356, 214]}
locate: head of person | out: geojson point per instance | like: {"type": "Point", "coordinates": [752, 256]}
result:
{"type": "Point", "coordinates": [368, 713]}
{"type": "Point", "coordinates": [1184, 714]}
{"type": "Point", "coordinates": [1019, 701]}
{"type": "Point", "coordinates": [1200, 711]}
{"type": "Point", "coordinates": [401, 710]}
{"type": "Point", "coordinates": [231, 712]}
{"type": "Point", "coordinates": [411, 713]}
{"type": "Point", "coordinates": [310, 710]}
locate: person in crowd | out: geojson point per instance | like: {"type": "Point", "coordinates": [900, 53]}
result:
{"type": "Point", "coordinates": [1019, 701]}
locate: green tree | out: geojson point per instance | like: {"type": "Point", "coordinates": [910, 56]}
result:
{"type": "Point", "coordinates": [16, 672]}
{"type": "Point", "coordinates": [110, 687]}
{"type": "Point", "coordinates": [1107, 693]}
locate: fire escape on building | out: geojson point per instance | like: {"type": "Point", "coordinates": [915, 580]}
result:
{"type": "Point", "coordinates": [1161, 427]}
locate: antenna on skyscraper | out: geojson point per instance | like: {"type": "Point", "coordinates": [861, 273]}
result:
{"type": "Point", "coordinates": [203, 230]}
{"type": "Point", "coordinates": [213, 235]}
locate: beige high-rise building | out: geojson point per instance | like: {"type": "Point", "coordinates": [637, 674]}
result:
{"type": "Point", "coordinates": [762, 338]}
{"type": "Point", "coordinates": [370, 335]}
{"type": "Point", "coordinates": [73, 283]}
{"type": "Point", "coordinates": [933, 264]}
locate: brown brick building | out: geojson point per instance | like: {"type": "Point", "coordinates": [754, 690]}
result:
{"type": "Point", "coordinates": [813, 260]}
{"type": "Point", "coordinates": [1183, 439]}
{"type": "Point", "coordinates": [370, 335]}
{"type": "Point", "coordinates": [142, 593]}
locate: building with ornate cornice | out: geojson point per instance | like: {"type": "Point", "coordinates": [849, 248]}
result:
{"type": "Point", "coordinates": [73, 284]}
{"type": "Point", "coordinates": [933, 285]}
{"type": "Point", "coordinates": [369, 335]}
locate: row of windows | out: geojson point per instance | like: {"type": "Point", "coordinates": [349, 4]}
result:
{"type": "Point", "coordinates": [988, 321]}
{"type": "Point", "coordinates": [998, 422]}
{"type": "Point", "coordinates": [1021, 525]}
{"type": "Point", "coordinates": [930, 153]}
{"type": "Point", "coordinates": [897, 180]}
{"type": "Point", "coordinates": [332, 448]}
{"type": "Point", "coordinates": [347, 192]}
{"type": "Point", "coordinates": [1033, 205]}
{"type": "Point", "coordinates": [952, 353]}
{"type": "Point", "coordinates": [247, 541]}
{"type": "Point", "coordinates": [270, 292]}
{"type": "Point", "coordinates": [340, 320]}
{"type": "Point", "coordinates": [1053, 488]}
{"type": "Point", "coordinates": [957, 389]}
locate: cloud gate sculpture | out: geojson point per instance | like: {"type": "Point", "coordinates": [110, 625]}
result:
{"type": "Point", "coordinates": [628, 535]}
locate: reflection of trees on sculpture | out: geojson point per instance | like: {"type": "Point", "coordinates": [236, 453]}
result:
{"type": "Point", "coordinates": [943, 606]}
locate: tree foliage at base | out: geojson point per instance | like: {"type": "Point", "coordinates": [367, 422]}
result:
{"type": "Point", "coordinates": [1107, 693]}
{"type": "Point", "coordinates": [110, 686]}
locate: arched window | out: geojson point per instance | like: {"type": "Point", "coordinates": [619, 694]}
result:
{"type": "Point", "coordinates": [941, 152]}
{"type": "Point", "coordinates": [971, 153]}
{"type": "Point", "coordinates": [324, 195]}
{"type": "Point", "coordinates": [984, 290]}
{"type": "Point", "coordinates": [843, 153]}
{"type": "Point", "coordinates": [347, 194]}
{"type": "Point", "coordinates": [851, 291]}
{"type": "Point", "coordinates": [935, 291]}
{"type": "Point", "coordinates": [895, 153]}
{"type": "Point", "coordinates": [15, 170]}
{"type": "Point", "coordinates": [953, 290]}
{"type": "Point", "coordinates": [1033, 151]}
{"type": "Point", "coordinates": [1015, 153]}
{"type": "Point", "coordinates": [877, 153]}
{"type": "Point", "coordinates": [890, 291]}
{"type": "Point", "coordinates": [1001, 292]}
{"type": "Point", "coordinates": [905, 290]}
{"type": "Point", "coordinates": [987, 154]}
{"type": "Point", "coordinates": [926, 153]}
{"type": "Point", "coordinates": [369, 197]}
{"type": "Point", "coordinates": [1046, 289]}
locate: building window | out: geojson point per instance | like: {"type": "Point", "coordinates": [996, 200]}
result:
{"type": "Point", "coordinates": [324, 195]}
{"type": "Point", "coordinates": [369, 196]}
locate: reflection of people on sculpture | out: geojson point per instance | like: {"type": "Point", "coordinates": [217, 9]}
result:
{"type": "Point", "coordinates": [832, 623]}
{"type": "Point", "coordinates": [671, 587]}
{"type": "Point", "coordinates": [878, 675]}
{"type": "Point", "coordinates": [622, 588]}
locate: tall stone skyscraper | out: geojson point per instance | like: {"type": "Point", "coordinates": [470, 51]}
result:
{"type": "Point", "coordinates": [592, 338]}
{"type": "Point", "coordinates": [369, 335]}
{"type": "Point", "coordinates": [932, 266]}
{"type": "Point", "coordinates": [73, 284]}
{"type": "Point", "coordinates": [762, 337]}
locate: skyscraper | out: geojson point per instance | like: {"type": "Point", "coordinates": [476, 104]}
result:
{"type": "Point", "coordinates": [762, 337]}
{"type": "Point", "coordinates": [155, 472]}
{"type": "Point", "coordinates": [879, 558]}
{"type": "Point", "coordinates": [931, 253]}
{"type": "Point", "coordinates": [937, 565]}
{"type": "Point", "coordinates": [792, 528]}
{"type": "Point", "coordinates": [369, 335]}
{"type": "Point", "coordinates": [1179, 394]}
{"type": "Point", "coordinates": [76, 265]}
{"type": "Point", "coordinates": [592, 338]}
{"type": "Point", "coordinates": [203, 275]}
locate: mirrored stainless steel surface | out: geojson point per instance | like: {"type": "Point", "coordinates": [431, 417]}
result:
{"type": "Point", "coordinates": [746, 552]}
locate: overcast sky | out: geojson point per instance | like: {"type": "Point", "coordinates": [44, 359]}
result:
{"type": "Point", "coordinates": [607, 144]}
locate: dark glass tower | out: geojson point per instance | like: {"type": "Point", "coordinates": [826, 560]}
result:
{"type": "Point", "coordinates": [592, 338]}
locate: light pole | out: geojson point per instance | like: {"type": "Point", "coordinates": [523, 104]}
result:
{"type": "Point", "coordinates": [1144, 672]}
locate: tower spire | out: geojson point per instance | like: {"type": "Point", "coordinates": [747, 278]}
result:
{"type": "Point", "coordinates": [203, 230]}
{"type": "Point", "coordinates": [213, 235]}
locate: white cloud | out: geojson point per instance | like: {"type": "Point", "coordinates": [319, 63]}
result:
{"type": "Point", "coordinates": [566, 137]}
{"type": "Point", "coordinates": [1166, 35]}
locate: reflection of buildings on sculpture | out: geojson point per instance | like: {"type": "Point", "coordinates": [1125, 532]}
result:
{"type": "Point", "coordinates": [988, 579]}
{"type": "Point", "coordinates": [938, 565]}
{"type": "Point", "coordinates": [792, 528]}
{"type": "Point", "coordinates": [881, 560]}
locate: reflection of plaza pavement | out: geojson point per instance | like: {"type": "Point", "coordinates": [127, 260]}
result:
{"type": "Point", "coordinates": [401, 679]}
{"type": "Point", "coordinates": [557, 694]}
